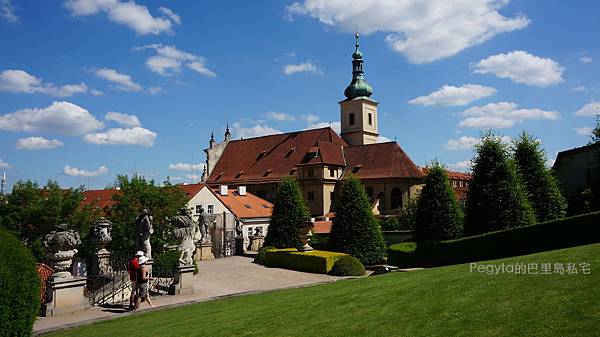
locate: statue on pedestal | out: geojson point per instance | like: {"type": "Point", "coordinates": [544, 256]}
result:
{"type": "Point", "coordinates": [144, 230]}
{"type": "Point", "coordinates": [185, 229]}
{"type": "Point", "coordinates": [60, 248]}
{"type": "Point", "coordinates": [206, 222]}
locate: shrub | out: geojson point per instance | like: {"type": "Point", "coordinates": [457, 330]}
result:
{"type": "Point", "coordinates": [557, 234]}
{"type": "Point", "coordinates": [541, 186]}
{"type": "Point", "coordinates": [262, 252]}
{"type": "Point", "coordinates": [439, 216]}
{"type": "Point", "coordinates": [347, 266]}
{"type": "Point", "coordinates": [409, 254]}
{"type": "Point", "coordinates": [316, 261]}
{"type": "Point", "coordinates": [165, 264]}
{"type": "Point", "coordinates": [496, 198]}
{"type": "Point", "coordinates": [390, 223]}
{"type": "Point", "coordinates": [20, 288]}
{"type": "Point", "coordinates": [355, 230]}
{"type": "Point", "coordinates": [289, 209]}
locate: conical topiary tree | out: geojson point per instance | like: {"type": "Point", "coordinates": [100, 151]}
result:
{"type": "Point", "coordinates": [355, 230]}
{"type": "Point", "coordinates": [439, 216]}
{"type": "Point", "coordinates": [496, 197]}
{"type": "Point", "coordinates": [289, 209]}
{"type": "Point", "coordinates": [541, 186]}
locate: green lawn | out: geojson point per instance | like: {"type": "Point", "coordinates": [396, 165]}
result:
{"type": "Point", "coordinates": [446, 301]}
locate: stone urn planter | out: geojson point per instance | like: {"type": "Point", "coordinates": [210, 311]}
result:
{"type": "Point", "coordinates": [304, 236]}
{"type": "Point", "coordinates": [101, 234]}
{"type": "Point", "coordinates": [60, 249]}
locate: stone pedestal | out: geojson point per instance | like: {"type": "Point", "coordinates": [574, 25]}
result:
{"type": "Point", "coordinates": [256, 242]}
{"type": "Point", "coordinates": [101, 263]}
{"type": "Point", "coordinates": [239, 246]}
{"type": "Point", "coordinates": [183, 283]}
{"type": "Point", "coordinates": [65, 295]}
{"type": "Point", "coordinates": [204, 252]}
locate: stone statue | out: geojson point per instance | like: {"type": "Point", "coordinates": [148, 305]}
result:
{"type": "Point", "coordinates": [185, 229]}
{"type": "Point", "coordinates": [144, 230]}
{"type": "Point", "coordinates": [60, 248]}
{"type": "Point", "coordinates": [206, 222]}
{"type": "Point", "coordinates": [100, 233]}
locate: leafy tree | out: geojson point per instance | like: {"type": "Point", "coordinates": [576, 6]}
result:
{"type": "Point", "coordinates": [31, 211]}
{"type": "Point", "coordinates": [496, 197]}
{"type": "Point", "coordinates": [439, 215]}
{"type": "Point", "coordinates": [595, 189]}
{"type": "Point", "coordinates": [137, 193]}
{"type": "Point", "coordinates": [596, 132]}
{"type": "Point", "coordinates": [540, 185]}
{"type": "Point", "coordinates": [289, 210]}
{"type": "Point", "coordinates": [355, 230]}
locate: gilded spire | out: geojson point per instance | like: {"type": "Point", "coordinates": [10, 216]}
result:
{"type": "Point", "coordinates": [358, 87]}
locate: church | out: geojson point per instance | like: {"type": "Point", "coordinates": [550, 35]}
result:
{"type": "Point", "coordinates": [320, 158]}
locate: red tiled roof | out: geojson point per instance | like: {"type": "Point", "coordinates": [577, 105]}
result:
{"type": "Point", "coordinates": [245, 206]}
{"type": "Point", "coordinates": [322, 227]}
{"type": "Point", "coordinates": [270, 158]}
{"type": "Point", "coordinates": [99, 198]}
{"type": "Point", "coordinates": [190, 190]}
{"type": "Point", "coordinates": [381, 160]}
{"type": "Point", "coordinates": [453, 175]}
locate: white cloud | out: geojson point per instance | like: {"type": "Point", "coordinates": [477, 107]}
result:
{"type": "Point", "coordinates": [590, 109]}
{"type": "Point", "coordinates": [467, 142]}
{"type": "Point", "coordinates": [123, 119]}
{"type": "Point", "coordinates": [502, 115]}
{"type": "Point", "coordinates": [19, 81]}
{"type": "Point", "coordinates": [155, 90]}
{"type": "Point", "coordinates": [169, 60]}
{"type": "Point", "coordinates": [7, 11]}
{"type": "Point", "coordinates": [336, 126]}
{"type": "Point", "coordinates": [170, 14]}
{"type": "Point", "coordinates": [383, 139]}
{"type": "Point", "coordinates": [423, 31]}
{"type": "Point", "coordinates": [586, 59]}
{"type": "Point", "coordinates": [60, 117]}
{"type": "Point", "coordinates": [75, 172]}
{"type": "Point", "coordinates": [461, 166]}
{"type": "Point", "coordinates": [521, 67]}
{"type": "Point", "coordinates": [121, 82]}
{"type": "Point", "coordinates": [451, 95]}
{"type": "Point", "coordinates": [305, 67]}
{"type": "Point", "coordinates": [254, 131]}
{"type": "Point", "coordinates": [280, 116]}
{"type": "Point", "coordinates": [4, 165]}
{"type": "Point", "coordinates": [584, 131]}
{"type": "Point", "coordinates": [119, 136]}
{"type": "Point", "coordinates": [37, 143]}
{"type": "Point", "coordinates": [130, 14]}
{"type": "Point", "coordinates": [96, 92]}
{"type": "Point", "coordinates": [579, 88]}
{"type": "Point", "coordinates": [192, 177]}
{"type": "Point", "coordinates": [186, 167]}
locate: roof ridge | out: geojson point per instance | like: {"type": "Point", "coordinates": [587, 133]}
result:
{"type": "Point", "coordinates": [279, 134]}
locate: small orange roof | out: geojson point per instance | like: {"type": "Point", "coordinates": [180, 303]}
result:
{"type": "Point", "coordinates": [190, 190]}
{"type": "Point", "coordinates": [245, 206]}
{"type": "Point", "coordinates": [101, 199]}
{"type": "Point", "coordinates": [322, 227]}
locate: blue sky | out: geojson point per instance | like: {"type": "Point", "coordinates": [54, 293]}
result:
{"type": "Point", "coordinates": [94, 88]}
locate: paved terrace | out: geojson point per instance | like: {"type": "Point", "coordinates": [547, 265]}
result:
{"type": "Point", "coordinates": [216, 279]}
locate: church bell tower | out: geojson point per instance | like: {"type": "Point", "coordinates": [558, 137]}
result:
{"type": "Point", "coordinates": [358, 111]}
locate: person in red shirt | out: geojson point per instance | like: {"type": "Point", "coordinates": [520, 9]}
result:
{"type": "Point", "coordinates": [133, 267]}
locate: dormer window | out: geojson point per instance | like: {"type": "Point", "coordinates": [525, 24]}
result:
{"type": "Point", "coordinates": [261, 155]}
{"type": "Point", "coordinates": [220, 175]}
{"type": "Point", "coordinates": [267, 173]}
{"type": "Point", "coordinates": [239, 174]}
{"type": "Point", "coordinates": [290, 152]}
{"type": "Point", "coordinates": [357, 168]}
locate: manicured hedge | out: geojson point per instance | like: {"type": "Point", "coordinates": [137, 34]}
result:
{"type": "Point", "coordinates": [563, 233]}
{"type": "Point", "coordinates": [316, 261]}
{"type": "Point", "coordinates": [262, 253]}
{"type": "Point", "coordinates": [347, 266]}
{"type": "Point", "coordinates": [19, 287]}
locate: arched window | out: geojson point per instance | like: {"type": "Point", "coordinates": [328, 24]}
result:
{"type": "Point", "coordinates": [396, 198]}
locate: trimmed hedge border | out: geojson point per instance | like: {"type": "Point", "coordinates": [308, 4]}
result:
{"type": "Point", "coordinates": [563, 233]}
{"type": "Point", "coordinates": [316, 261]}
{"type": "Point", "coordinates": [19, 287]}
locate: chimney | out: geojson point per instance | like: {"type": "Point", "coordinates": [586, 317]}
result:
{"type": "Point", "coordinates": [223, 189]}
{"type": "Point", "coordinates": [242, 190]}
